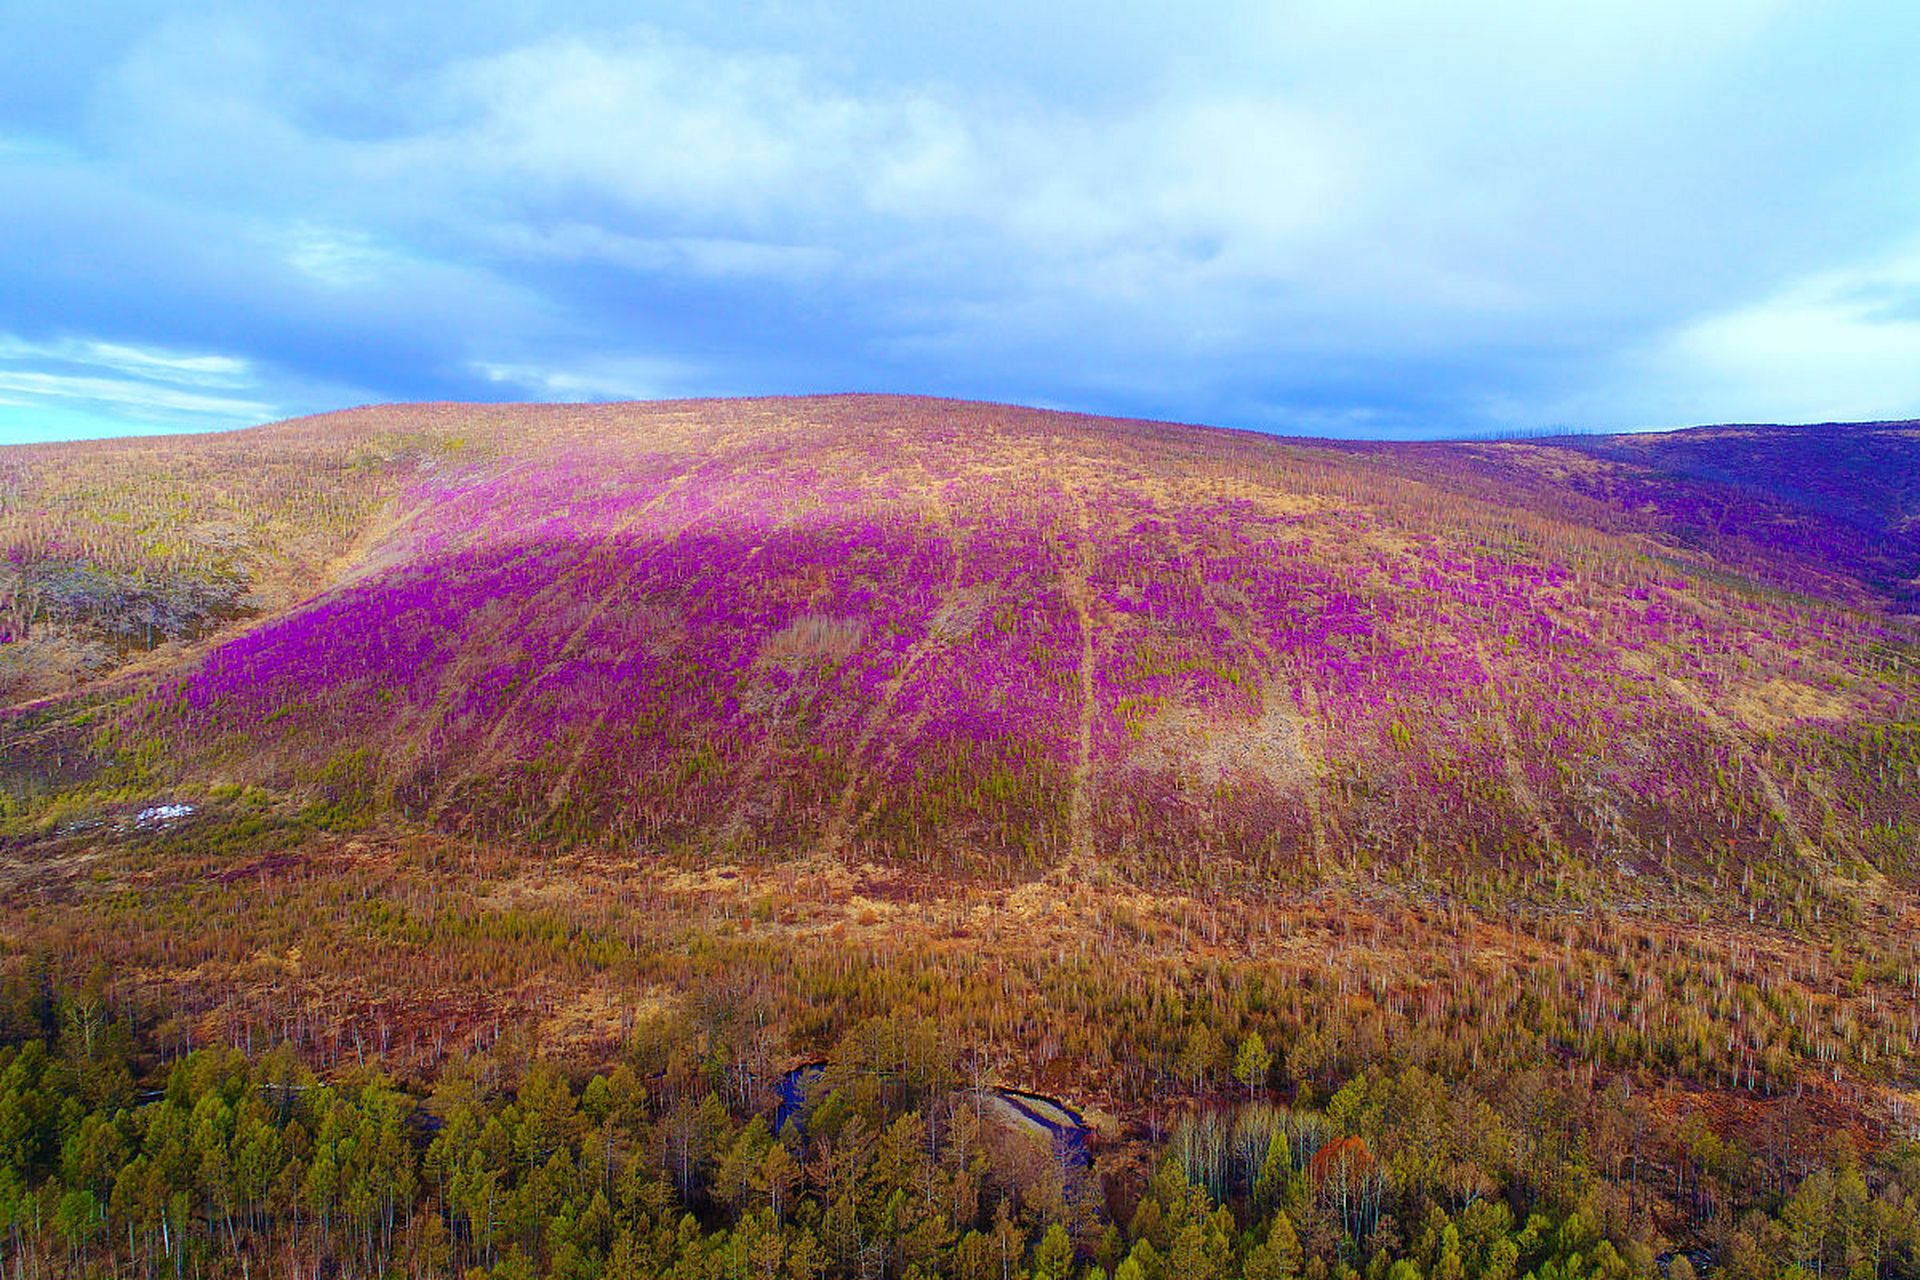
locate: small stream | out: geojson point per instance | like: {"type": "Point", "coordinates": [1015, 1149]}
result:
{"type": "Point", "coordinates": [1063, 1127]}
{"type": "Point", "coordinates": [794, 1103]}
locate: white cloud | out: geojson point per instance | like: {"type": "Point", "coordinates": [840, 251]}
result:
{"type": "Point", "coordinates": [334, 257]}
{"type": "Point", "coordinates": [126, 392]}
{"type": "Point", "coordinates": [146, 362]}
{"type": "Point", "coordinates": [714, 257]}
{"type": "Point", "coordinates": [603, 378]}
{"type": "Point", "coordinates": [1348, 212]}
{"type": "Point", "coordinates": [656, 124]}
{"type": "Point", "coordinates": [144, 381]}
{"type": "Point", "coordinates": [745, 141]}
{"type": "Point", "coordinates": [1832, 346]}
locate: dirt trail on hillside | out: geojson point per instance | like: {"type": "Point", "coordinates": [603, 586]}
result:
{"type": "Point", "coordinates": [558, 793]}
{"type": "Point", "coordinates": [937, 639]}
{"type": "Point", "coordinates": [1080, 813]}
{"type": "Point", "coordinates": [418, 742]}
{"type": "Point", "coordinates": [1769, 787]}
{"type": "Point", "coordinates": [599, 610]}
{"type": "Point", "coordinates": [356, 560]}
{"type": "Point", "coordinates": [489, 750]}
{"type": "Point", "coordinates": [1517, 784]}
{"type": "Point", "coordinates": [1282, 750]}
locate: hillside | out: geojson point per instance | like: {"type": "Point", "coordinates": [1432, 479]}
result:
{"type": "Point", "coordinates": [990, 639]}
{"type": "Point", "coordinates": [898, 838]}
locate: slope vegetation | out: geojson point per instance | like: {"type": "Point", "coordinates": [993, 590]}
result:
{"type": "Point", "coordinates": [993, 640]}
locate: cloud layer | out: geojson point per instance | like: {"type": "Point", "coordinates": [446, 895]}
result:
{"type": "Point", "coordinates": [1391, 218]}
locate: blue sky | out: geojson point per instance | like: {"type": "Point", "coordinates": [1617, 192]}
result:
{"type": "Point", "coordinates": [1361, 217]}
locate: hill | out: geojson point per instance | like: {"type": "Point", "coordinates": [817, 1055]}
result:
{"type": "Point", "coordinates": [863, 836]}
{"type": "Point", "coordinates": [994, 639]}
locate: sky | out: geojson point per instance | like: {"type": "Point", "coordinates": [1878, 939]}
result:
{"type": "Point", "coordinates": [1385, 218]}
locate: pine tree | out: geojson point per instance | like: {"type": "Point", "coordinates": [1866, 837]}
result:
{"type": "Point", "coordinates": [1251, 1063]}
{"type": "Point", "coordinates": [1278, 1256]}
{"type": "Point", "coordinates": [1053, 1260]}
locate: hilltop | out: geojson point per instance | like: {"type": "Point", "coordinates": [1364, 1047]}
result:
{"type": "Point", "coordinates": [988, 639]}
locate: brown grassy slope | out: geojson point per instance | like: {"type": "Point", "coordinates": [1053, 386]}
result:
{"type": "Point", "coordinates": [119, 553]}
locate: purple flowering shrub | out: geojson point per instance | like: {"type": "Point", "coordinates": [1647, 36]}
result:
{"type": "Point", "coordinates": [864, 627]}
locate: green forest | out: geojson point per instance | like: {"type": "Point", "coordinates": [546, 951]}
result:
{"type": "Point", "coordinates": [117, 1162]}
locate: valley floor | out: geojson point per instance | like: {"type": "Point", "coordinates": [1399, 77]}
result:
{"type": "Point", "coordinates": [1653, 1077]}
